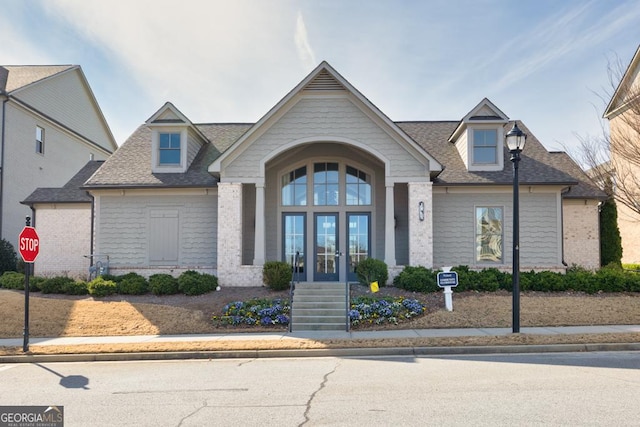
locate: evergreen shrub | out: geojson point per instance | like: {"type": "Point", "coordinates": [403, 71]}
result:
{"type": "Point", "coordinates": [163, 284]}
{"type": "Point", "coordinates": [99, 287]}
{"type": "Point", "coordinates": [277, 275]}
{"type": "Point", "coordinates": [193, 283]}
{"type": "Point", "coordinates": [372, 270]}
{"type": "Point", "coordinates": [132, 284]}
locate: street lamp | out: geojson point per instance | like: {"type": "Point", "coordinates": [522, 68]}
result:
{"type": "Point", "coordinates": [515, 142]}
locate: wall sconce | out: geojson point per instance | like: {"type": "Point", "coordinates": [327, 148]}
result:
{"type": "Point", "coordinates": [421, 211]}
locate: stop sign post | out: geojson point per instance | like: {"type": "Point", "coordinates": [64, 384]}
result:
{"type": "Point", "coordinates": [29, 244]}
{"type": "Point", "coordinates": [29, 248]}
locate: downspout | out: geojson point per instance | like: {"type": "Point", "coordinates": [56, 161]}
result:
{"type": "Point", "coordinates": [5, 97]}
{"type": "Point", "coordinates": [562, 193]}
{"type": "Point", "coordinates": [93, 211]}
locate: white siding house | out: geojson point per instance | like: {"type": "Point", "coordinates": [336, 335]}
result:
{"type": "Point", "coordinates": [329, 177]}
{"type": "Point", "coordinates": [51, 125]}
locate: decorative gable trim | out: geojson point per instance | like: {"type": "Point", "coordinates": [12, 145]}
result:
{"type": "Point", "coordinates": [327, 80]}
{"type": "Point", "coordinates": [485, 112]}
{"type": "Point", "coordinates": [619, 99]}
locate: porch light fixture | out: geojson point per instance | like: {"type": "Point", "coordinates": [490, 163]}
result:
{"type": "Point", "coordinates": [421, 211]}
{"type": "Point", "coordinates": [516, 139]}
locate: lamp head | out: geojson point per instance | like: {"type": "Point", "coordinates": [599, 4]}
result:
{"type": "Point", "coordinates": [515, 138]}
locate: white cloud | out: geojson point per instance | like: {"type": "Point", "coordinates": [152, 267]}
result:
{"type": "Point", "coordinates": [305, 53]}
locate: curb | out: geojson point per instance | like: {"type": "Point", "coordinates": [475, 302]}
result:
{"type": "Point", "coordinates": [337, 352]}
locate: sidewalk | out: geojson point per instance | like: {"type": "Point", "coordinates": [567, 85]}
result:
{"type": "Point", "coordinates": [322, 335]}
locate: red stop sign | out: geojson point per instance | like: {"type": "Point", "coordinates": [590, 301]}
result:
{"type": "Point", "coordinates": [29, 244]}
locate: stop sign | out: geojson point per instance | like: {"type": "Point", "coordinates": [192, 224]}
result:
{"type": "Point", "coordinates": [29, 244]}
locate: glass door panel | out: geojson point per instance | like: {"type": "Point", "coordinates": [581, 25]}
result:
{"type": "Point", "coordinates": [293, 245]}
{"type": "Point", "coordinates": [358, 236]}
{"type": "Point", "coordinates": [326, 245]}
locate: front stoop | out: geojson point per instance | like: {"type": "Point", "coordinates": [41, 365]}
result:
{"type": "Point", "coordinates": [319, 306]}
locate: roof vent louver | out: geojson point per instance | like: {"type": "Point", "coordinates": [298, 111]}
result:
{"type": "Point", "coordinates": [324, 81]}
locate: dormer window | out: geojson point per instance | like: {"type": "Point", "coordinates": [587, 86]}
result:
{"type": "Point", "coordinates": [485, 146]}
{"type": "Point", "coordinates": [169, 149]}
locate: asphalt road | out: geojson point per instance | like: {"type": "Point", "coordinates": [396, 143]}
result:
{"type": "Point", "coordinates": [523, 389]}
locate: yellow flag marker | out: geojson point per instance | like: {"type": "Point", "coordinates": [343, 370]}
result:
{"type": "Point", "coordinates": [374, 287]}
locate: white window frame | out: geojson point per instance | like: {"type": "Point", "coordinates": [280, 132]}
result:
{"type": "Point", "coordinates": [489, 167]}
{"type": "Point", "coordinates": [40, 140]}
{"type": "Point", "coordinates": [156, 167]}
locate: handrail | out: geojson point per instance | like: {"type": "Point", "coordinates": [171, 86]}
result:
{"type": "Point", "coordinates": [348, 299]}
{"type": "Point", "coordinates": [292, 287]}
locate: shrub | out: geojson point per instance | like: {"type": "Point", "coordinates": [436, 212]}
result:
{"type": "Point", "coordinates": [163, 284]}
{"type": "Point", "coordinates": [55, 285]}
{"type": "Point", "coordinates": [12, 280]}
{"type": "Point", "coordinates": [35, 283]}
{"type": "Point", "coordinates": [132, 284]}
{"type": "Point", "coordinates": [99, 287]}
{"type": "Point", "coordinates": [111, 277]}
{"type": "Point", "coordinates": [8, 257]}
{"type": "Point", "coordinates": [417, 279]}
{"type": "Point", "coordinates": [76, 288]}
{"type": "Point", "coordinates": [372, 270]}
{"type": "Point", "coordinates": [610, 240]}
{"type": "Point", "coordinates": [193, 283]}
{"type": "Point", "coordinates": [277, 275]}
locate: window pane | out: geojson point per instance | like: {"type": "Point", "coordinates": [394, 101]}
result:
{"type": "Point", "coordinates": [325, 184]}
{"type": "Point", "coordinates": [294, 187]}
{"type": "Point", "coordinates": [358, 187]}
{"type": "Point", "coordinates": [489, 234]}
{"type": "Point", "coordinates": [485, 146]}
{"type": "Point", "coordinates": [169, 152]}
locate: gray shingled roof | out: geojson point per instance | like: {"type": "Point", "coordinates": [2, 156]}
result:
{"type": "Point", "coordinates": [13, 77]}
{"type": "Point", "coordinates": [585, 187]}
{"type": "Point", "coordinates": [130, 165]}
{"type": "Point", "coordinates": [70, 193]}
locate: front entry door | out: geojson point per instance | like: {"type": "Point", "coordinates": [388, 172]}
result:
{"type": "Point", "coordinates": [358, 236]}
{"type": "Point", "coordinates": [327, 259]}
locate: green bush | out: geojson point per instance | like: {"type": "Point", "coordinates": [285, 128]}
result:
{"type": "Point", "coordinates": [8, 257]}
{"type": "Point", "coordinates": [35, 283]}
{"type": "Point", "coordinates": [55, 285]}
{"type": "Point", "coordinates": [277, 275]}
{"type": "Point", "coordinates": [99, 287]}
{"type": "Point", "coordinates": [78, 287]}
{"type": "Point", "coordinates": [610, 240]}
{"type": "Point", "coordinates": [163, 284]}
{"type": "Point", "coordinates": [193, 283]}
{"type": "Point", "coordinates": [132, 284]}
{"type": "Point", "coordinates": [112, 278]}
{"type": "Point", "coordinates": [12, 280]}
{"type": "Point", "coordinates": [372, 270]}
{"type": "Point", "coordinates": [416, 279]}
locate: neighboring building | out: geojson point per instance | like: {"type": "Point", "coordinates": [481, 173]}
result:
{"type": "Point", "coordinates": [50, 126]}
{"type": "Point", "coordinates": [327, 175]}
{"type": "Point", "coordinates": [623, 113]}
{"type": "Point", "coordinates": [65, 226]}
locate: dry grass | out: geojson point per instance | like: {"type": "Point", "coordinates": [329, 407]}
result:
{"type": "Point", "coordinates": [58, 316]}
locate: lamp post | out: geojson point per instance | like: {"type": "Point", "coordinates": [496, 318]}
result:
{"type": "Point", "coordinates": [515, 142]}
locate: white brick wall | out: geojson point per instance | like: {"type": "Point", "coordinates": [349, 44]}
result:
{"type": "Point", "coordinates": [581, 223]}
{"type": "Point", "coordinates": [231, 272]}
{"type": "Point", "coordinates": [65, 239]}
{"type": "Point", "coordinates": [420, 232]}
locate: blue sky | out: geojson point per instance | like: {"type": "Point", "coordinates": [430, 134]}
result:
{"type": "Point", "coordinates": [540, 61]}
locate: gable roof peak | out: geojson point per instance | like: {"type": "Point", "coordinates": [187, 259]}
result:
{"type": "Point", "coordinates": [484, 112]}
{"type": "Point", "coordinates": [621, 95]}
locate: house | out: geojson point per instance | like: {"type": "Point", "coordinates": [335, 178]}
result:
{"type": "Point", "coordinates": [50, 126]}
{"type": "Point", "coordinates": [623, 113]}
{"type": "Point", "coordinates": [327, 178]}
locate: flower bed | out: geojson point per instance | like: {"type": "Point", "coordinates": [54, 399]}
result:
{"type": "Point", "coordinates": [364, 310]}
{"type": "Point", "coordinates": [372, 310]}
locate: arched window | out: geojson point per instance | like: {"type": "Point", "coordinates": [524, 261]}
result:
{"type": "Point", "coordinates": [358, 187]}
{"type": "Point", "coordinates": [294, 187]}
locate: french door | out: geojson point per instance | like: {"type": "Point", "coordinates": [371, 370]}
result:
{"type": "Point", "coordinates": [359, 241]}
{"type": "Point", "coordinates": [327, 257]}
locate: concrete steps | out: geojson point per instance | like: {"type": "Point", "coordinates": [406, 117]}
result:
{"type": "Point", "coordinates": [319, 306]}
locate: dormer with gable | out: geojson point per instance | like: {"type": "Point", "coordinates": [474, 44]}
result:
{"type": "Point", "coordinates": [478, 138]}
{"type": "Point", "coordinates": [175, 141]}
